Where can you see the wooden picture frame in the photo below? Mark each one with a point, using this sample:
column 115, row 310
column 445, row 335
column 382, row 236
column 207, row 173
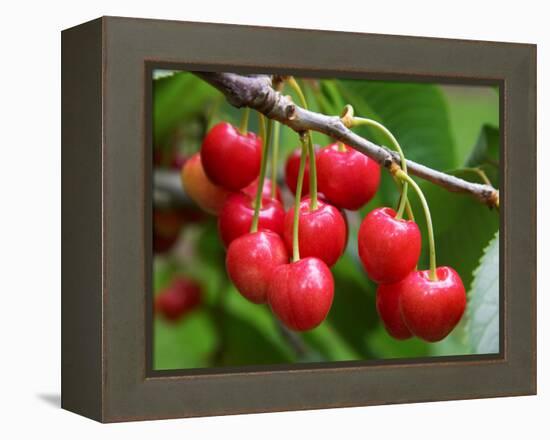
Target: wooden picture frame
column 106, row 219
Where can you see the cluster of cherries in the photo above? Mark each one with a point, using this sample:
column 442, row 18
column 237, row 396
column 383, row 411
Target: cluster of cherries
column 427, row 304
column 284, row 258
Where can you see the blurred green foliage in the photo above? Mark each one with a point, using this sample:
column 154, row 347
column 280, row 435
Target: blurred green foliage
column 449, row 128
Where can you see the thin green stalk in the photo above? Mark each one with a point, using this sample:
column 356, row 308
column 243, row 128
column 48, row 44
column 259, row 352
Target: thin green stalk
column 243, row 127
column 310, row 149
column 266, row 138
column 408, row 207
column 296, row 87
column 299, row 185
column 275, row 158
column 312, row 174
column 406, row 178
column 379, row 126
column 480, row 173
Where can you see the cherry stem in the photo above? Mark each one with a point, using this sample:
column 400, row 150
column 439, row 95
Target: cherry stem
column 310, row 149
column 400, row 174
column 312, row 174
column 266, row 140
column 274, row 158
column 296, row 87
column 341, row 147
column 299, row 185
column 482, row 175
column 370, row 122
column 243, row 127
column 408, row 207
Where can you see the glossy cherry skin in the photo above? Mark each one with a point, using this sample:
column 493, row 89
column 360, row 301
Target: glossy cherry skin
column 321, row 196
column 348, row 178
column 322, row 233
column 200, row 189
column 251, row 189
column 389, row 248
column 292, row 168
column 432, row 309
column 236, row 217
column 250, row 261
column 300, row 294
column 179, row 298
column 231, row 159
column 387, row 305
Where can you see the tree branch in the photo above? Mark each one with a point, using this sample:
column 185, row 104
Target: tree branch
column 256, row 92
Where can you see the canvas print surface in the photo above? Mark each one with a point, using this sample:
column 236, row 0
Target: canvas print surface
column 276, row 246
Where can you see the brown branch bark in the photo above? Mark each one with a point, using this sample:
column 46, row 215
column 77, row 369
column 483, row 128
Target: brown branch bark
column 257, row 92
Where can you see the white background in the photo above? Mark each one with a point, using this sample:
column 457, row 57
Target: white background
column 30, row 219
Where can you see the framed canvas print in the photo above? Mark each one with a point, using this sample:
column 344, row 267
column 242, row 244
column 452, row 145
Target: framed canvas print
column 261, row 219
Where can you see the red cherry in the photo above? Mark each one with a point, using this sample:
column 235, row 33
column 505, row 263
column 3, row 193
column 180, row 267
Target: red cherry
column 237, row 212
column 389, row 248
column 250, row 261
column 301, row 293
column 432, row 309
column 322, row 233
column 251, row 190
column 387, row 305
column 179, row 298
column 199, row 188
column 321, row 196
column 231, row 159
column 348, row 178
column 291, row 172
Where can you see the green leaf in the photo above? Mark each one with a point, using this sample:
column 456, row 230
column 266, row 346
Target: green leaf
column 470, row 108
column 187, row 343
column 353, row 313
column 485, row 153
column 415, row 113
column 483, row 302
column 486, row 148
column 177, row 98
column 258, row 324
column 386, row 347
column 245, row 344
column 329, row 343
